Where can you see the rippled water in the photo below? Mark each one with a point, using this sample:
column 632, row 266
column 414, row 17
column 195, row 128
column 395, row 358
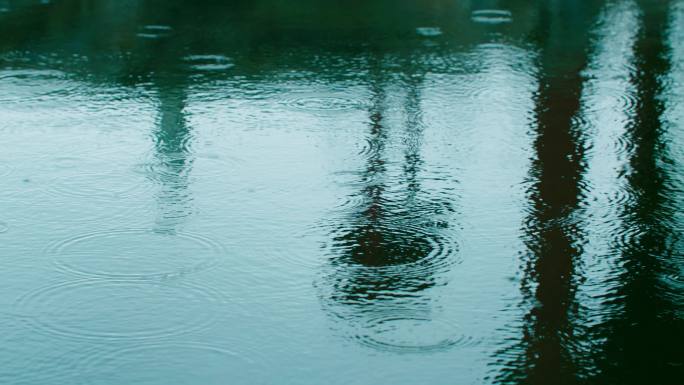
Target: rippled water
column 379, row 192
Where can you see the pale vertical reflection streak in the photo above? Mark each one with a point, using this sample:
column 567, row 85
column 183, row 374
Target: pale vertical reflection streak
column 173, row 158
column 673, row 94
column 607, row 109
column 487, row 151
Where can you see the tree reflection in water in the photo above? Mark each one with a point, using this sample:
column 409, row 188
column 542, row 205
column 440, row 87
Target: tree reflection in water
column 643, row 335
column 389, row 249
column 552, row 233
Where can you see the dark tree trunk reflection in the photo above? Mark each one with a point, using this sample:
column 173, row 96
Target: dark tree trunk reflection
column 645, row 333
column 552, row 233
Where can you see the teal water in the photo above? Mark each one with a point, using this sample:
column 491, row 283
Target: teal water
column 342, row 192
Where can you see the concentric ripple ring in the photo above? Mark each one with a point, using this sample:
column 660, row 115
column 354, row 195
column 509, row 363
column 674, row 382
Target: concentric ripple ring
column 119, row 310
column 136, row 254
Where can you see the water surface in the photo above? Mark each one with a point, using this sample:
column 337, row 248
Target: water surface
column 335, row 192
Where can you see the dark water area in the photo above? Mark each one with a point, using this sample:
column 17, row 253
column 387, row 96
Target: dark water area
column 342, row 192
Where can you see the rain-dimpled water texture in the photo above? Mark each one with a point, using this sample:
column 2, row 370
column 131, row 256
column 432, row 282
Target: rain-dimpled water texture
column 335, row 192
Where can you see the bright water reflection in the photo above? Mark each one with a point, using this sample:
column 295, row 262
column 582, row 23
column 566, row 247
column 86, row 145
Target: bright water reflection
column 262, row 192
